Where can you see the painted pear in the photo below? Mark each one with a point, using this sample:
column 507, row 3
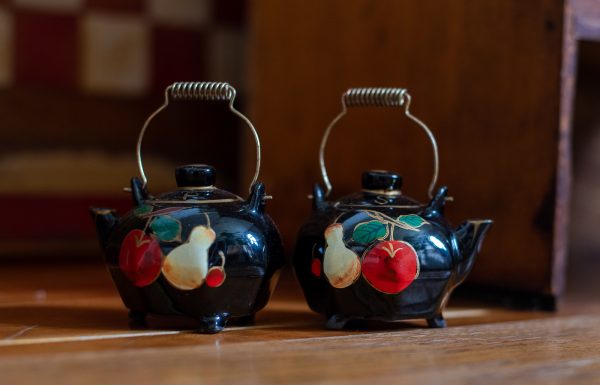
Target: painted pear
column 186, row 265
column 340, row 264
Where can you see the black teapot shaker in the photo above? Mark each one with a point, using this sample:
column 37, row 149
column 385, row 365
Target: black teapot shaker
column 198, row 251
column 378, row 254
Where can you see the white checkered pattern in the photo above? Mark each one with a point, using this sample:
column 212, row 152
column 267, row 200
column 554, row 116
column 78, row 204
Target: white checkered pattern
column 116, row 54
column 183, row 13
column 116, row 47
column 227, row 46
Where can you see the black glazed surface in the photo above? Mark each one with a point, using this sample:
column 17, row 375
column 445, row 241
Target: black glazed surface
column 374, row 286
column 151, row 251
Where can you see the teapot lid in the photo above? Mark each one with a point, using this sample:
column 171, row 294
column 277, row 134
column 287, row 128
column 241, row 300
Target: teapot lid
column 196, row 185
column 380, row 189
column 381, row 180
column 195, row 176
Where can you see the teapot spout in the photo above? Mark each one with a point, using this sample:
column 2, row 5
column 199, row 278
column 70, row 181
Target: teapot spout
column 105, row 220
column 470, row 235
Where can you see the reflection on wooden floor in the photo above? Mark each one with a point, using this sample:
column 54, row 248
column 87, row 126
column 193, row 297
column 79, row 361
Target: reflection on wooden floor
column 69, row 324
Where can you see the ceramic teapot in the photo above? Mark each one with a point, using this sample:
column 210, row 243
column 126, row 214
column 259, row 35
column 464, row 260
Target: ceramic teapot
column 199, row 251
column 378, row 254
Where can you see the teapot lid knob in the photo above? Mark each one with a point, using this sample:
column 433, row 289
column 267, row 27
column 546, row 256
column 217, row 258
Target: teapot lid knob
column 381, row 180
column 195, row 175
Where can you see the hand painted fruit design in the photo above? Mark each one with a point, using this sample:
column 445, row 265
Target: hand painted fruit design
column 216, row 274
column 315, row 267
column 140, row 258
column 390, row 266
column 186, row 266
column 340, row 264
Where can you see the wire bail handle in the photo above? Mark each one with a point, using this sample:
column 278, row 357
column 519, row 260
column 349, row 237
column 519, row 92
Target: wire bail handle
column 202, row 91
column 377, row 97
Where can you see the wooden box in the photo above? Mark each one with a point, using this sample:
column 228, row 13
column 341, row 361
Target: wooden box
column 484, row 75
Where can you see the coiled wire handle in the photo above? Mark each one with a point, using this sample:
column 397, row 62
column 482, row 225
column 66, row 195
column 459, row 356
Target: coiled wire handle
column 212, row 91
column 377, row 97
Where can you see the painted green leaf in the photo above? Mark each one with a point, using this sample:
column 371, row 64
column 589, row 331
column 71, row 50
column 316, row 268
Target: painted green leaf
column 143, row 210
column 369, row 231
column 411, row 220
column 166, row 228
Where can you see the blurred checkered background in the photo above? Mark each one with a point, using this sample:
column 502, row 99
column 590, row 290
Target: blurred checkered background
column 128, row 47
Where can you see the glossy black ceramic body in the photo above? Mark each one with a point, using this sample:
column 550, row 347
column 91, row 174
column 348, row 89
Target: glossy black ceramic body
column 197, row 252
column 428, row 257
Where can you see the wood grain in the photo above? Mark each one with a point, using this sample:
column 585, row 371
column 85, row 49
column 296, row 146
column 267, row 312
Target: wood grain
column 553, row 349
column 564, row 163
column 76, row 332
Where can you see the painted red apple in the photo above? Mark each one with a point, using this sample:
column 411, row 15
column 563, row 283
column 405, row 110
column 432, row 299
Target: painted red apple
column 390, row 266
column 140, row 258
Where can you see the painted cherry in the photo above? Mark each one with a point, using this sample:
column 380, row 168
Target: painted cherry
column 216, row 274
column 315, row 267
column 390, row 266
column 140, row 258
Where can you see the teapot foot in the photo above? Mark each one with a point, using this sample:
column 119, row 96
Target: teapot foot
column 137, row 319
column 213, row 324
column 336, row 322
column 436, row 322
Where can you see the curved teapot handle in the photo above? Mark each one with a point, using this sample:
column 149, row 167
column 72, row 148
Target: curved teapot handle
column 212, row 91
column 377, row 97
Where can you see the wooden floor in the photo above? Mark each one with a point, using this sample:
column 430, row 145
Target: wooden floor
column 67, row 326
